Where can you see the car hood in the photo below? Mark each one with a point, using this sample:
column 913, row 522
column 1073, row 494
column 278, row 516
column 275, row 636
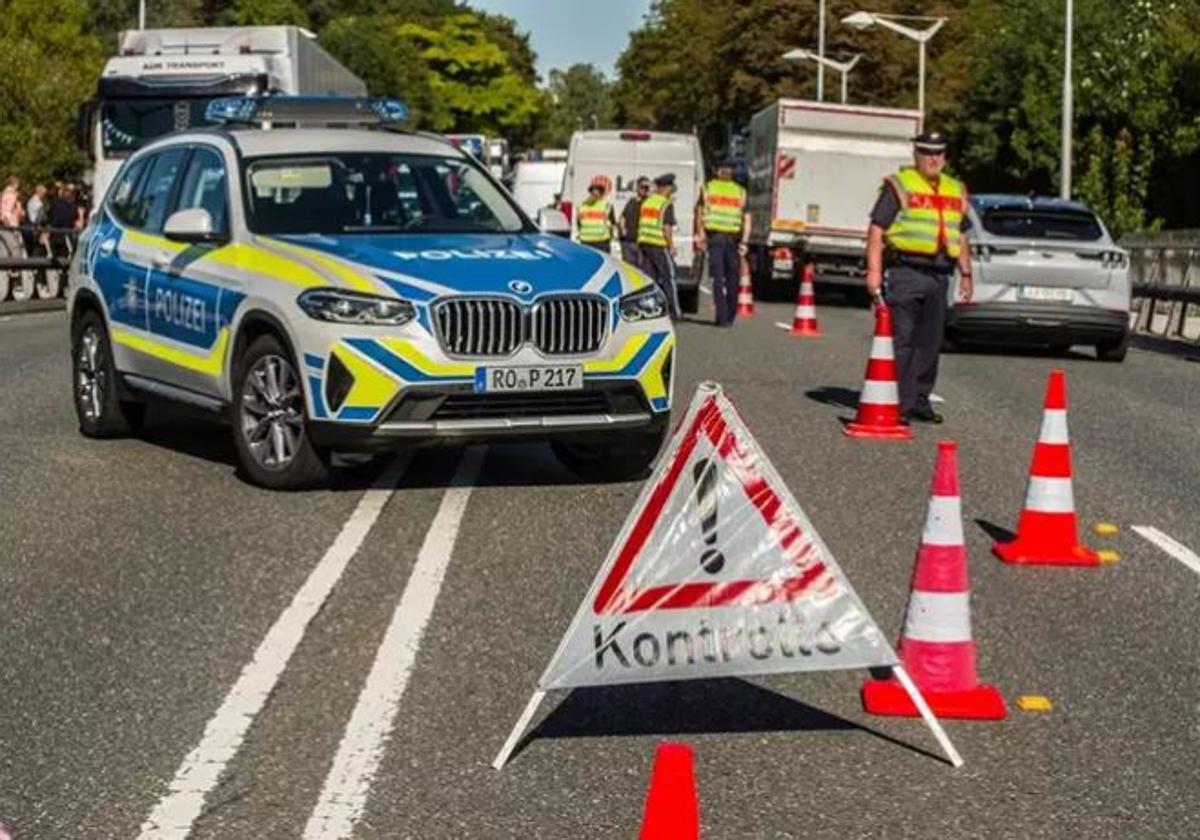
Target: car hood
column 422, row 267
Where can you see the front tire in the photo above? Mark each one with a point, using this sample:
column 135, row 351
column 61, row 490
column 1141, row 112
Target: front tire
column 618, row 456
column 1113, row 351
column 101, row 412
column 270, row 430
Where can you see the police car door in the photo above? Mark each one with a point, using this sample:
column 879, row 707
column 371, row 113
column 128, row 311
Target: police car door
column 188, row 302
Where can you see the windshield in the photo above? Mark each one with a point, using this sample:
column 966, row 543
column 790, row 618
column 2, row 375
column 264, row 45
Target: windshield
column 376, row 193
column 127, row 125
column 1042, row 224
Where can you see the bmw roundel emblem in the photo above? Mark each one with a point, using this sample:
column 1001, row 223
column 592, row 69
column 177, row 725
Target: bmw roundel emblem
column 521, row 287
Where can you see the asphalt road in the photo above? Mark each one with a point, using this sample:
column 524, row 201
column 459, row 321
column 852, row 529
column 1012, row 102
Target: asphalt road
column 141, row 576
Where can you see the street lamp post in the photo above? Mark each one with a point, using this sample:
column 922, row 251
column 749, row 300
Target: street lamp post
column 821, row 53
column 141, row 14
column 844, row 67
column 1067, row 106
column 865, row 20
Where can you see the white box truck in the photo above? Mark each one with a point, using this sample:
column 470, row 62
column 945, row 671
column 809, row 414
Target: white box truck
column 815, row 171
column 161, row 80
column 623, row 157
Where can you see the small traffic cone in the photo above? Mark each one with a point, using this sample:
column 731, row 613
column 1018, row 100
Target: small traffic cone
column 804, row 322
column 672, row 811
column 879, row 403
column 936, row 646
column 745, row 292
column 1048, row 532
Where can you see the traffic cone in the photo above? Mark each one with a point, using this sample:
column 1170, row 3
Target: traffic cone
column 1048, row 532
column 745, row 292
column 936, row 646
column 672, row 811
column 879, row 404
column 804, row 322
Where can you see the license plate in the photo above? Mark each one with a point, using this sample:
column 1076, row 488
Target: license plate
column 1047, row 293
column 491, row 380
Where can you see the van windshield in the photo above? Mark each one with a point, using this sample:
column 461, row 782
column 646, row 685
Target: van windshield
column 368, row 193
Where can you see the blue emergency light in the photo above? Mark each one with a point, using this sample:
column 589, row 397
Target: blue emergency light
column 325, row 111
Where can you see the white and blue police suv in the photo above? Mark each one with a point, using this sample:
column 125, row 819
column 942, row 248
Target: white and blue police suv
column 333, row 285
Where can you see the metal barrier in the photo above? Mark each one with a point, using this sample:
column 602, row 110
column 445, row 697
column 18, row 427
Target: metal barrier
column 1165, row 270
column 42, row 275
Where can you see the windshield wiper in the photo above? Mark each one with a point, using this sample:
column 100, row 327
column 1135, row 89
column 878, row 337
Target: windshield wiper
column 372, row 228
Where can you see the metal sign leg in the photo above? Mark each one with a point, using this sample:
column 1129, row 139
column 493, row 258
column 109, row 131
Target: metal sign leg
column 927, row 715
column 519, row 729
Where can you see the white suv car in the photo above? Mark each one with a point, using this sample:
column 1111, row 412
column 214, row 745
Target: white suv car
column 353, row 288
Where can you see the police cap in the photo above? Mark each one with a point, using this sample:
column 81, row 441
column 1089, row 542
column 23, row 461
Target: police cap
column 930, row 142
column 667, row 180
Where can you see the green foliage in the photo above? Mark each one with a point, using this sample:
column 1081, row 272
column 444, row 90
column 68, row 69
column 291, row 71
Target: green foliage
column 264, row 13
column 579, row 98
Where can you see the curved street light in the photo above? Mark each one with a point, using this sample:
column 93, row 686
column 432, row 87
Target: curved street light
column 865, row 20
column 844, row 67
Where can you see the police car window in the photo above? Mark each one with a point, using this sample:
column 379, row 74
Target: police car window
column 122, row 197
column 375, row 193
column 204, row 187
column 150, row 208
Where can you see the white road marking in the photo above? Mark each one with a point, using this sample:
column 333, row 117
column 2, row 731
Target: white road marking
column 176, row 813
column 344, row 795
column 1171, row 546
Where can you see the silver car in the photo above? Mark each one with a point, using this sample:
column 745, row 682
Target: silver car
column 1046, row 272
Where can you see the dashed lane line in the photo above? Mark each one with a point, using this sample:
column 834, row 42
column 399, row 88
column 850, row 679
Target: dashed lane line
column 1170, row 545
column 344, row 795
column 176, row 813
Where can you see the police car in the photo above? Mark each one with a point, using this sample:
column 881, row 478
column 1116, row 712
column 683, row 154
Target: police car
column 332, row 284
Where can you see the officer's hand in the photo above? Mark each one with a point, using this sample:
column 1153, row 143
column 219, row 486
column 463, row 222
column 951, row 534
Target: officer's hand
column 966, row 288
column 701, row 242
column 874, row 284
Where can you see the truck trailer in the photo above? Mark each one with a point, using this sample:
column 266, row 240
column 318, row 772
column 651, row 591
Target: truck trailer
column 815, row 170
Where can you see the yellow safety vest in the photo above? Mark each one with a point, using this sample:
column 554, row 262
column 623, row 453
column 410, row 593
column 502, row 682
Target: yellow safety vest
column 929, row 219
column 650, row 220
column 593, row 221
column 724, row 203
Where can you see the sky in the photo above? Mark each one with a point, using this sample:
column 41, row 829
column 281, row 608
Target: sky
column 566, row 32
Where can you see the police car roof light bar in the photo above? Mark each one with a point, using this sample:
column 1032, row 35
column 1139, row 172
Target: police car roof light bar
column 323, row 111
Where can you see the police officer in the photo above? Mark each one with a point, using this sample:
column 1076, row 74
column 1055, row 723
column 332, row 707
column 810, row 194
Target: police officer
column 724, row 227
column 919, row 231
column 595, row 218
column 628, row 223
column 656, row 231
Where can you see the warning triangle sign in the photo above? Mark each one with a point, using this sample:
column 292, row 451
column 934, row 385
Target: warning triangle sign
column 717, row 572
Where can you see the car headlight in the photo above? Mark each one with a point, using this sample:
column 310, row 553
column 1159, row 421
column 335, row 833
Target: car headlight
column 342, row 307
column 644, row 305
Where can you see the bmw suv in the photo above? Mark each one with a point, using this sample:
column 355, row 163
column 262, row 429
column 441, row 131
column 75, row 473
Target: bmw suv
column 333, row 285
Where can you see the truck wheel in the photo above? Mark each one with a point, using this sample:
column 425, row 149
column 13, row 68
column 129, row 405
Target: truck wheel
column 101, row 412
column 23, row 284
column 1113, row 351
column 615, row 457
column 269, row 423
column 689, row 300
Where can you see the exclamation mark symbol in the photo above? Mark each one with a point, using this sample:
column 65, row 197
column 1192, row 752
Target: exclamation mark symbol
column 705, row 476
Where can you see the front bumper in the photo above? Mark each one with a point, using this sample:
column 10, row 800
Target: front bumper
column 1036, row 323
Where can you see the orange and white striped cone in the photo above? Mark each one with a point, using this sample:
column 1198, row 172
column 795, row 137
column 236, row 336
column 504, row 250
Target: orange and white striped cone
column 936, row 647
column 672, row 809
column 879, row 403
column 745, row 298
column 1048, row 530
column 804, row 321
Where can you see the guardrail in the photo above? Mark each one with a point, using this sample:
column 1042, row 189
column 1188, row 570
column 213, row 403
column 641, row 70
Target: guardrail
column 1165, row 270
column 34, row 261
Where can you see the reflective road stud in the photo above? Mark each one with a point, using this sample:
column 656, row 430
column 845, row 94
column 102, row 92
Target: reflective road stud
column 1034, row 703
column 1106, row 529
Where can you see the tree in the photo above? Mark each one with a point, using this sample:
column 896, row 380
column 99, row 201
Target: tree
column 580, row 97
column 264, row 13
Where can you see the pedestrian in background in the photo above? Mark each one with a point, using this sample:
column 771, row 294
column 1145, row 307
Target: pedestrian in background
column 595, row 218
column 628, row 223
column 62, row 217
column 917, row 236
column 656, row 239
column 35, row 219
column 723, row 228
column 11, row 216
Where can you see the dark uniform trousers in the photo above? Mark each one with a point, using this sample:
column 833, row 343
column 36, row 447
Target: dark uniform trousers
column 657, row 263
column 631, row 253
column 917, row 298
column 601, row 245
column 723, row 267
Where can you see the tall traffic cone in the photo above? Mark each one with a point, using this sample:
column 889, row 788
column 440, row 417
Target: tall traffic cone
column 745, row 291
column 1048, row 532
column 879, row 403
column 936, row 646
column 804, row 322
column 672, row 811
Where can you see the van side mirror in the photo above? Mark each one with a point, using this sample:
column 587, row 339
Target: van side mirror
column 192, row 225
column 554, row 222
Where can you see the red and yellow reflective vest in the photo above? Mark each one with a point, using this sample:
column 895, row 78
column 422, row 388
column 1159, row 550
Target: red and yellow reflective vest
column 724, row 204
column 929, row 219
column 593, row 221
column 650, row 220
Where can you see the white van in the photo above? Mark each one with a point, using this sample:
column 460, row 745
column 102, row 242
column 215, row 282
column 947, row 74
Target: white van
column 624, row 156
column 535, row 183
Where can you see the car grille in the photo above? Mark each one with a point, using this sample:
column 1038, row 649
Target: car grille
column 495, row 327
column 480, row 406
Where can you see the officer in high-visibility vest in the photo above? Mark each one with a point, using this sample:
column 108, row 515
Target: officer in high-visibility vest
column 656, row 232
column 724, row 228
column 916, row 240
column 595, row 218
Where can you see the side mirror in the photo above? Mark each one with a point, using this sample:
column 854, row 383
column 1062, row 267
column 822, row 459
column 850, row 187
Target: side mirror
column 554, row 222
column 191, row 225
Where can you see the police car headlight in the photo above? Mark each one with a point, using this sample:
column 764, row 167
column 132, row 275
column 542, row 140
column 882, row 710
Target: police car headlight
column 644, row 305
column 343, row 307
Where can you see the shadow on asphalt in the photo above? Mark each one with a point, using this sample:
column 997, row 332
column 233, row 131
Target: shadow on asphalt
column 995, row 532
column 1022, row 350
column 1181, row 349
column 689, row 708
column 834, row 396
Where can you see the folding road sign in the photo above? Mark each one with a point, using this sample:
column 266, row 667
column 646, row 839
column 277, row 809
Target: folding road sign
column 717, row 572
